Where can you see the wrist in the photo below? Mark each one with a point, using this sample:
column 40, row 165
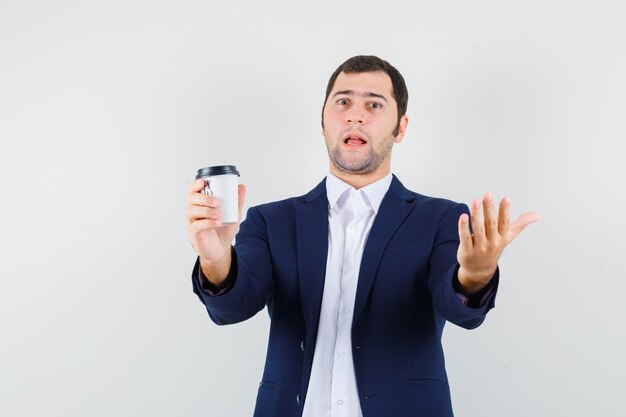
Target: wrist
column 472, row 283
column 217, row 272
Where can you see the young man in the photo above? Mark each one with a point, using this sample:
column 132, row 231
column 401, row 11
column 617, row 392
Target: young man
column 360, row 274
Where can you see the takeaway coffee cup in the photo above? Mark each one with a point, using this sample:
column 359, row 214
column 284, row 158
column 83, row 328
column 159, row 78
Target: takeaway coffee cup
column 222, row 181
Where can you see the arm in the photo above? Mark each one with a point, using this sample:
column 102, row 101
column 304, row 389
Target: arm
column 232, row 283
column 476, row 274
column 250, row 281
column 479, row 251
column 209, row 237
column 443, row 280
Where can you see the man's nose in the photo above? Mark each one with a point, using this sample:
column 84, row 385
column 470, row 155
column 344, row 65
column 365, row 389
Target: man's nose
column 355, row 116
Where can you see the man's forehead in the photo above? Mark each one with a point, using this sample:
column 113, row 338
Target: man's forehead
column 360, row 83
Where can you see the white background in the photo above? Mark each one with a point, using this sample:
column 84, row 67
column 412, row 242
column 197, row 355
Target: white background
column 107, row 108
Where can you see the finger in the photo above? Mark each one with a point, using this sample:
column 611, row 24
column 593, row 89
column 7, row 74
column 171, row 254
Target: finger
column 504, row 217
column 241, row 190
column 205, row 224
column 196, row 186
column 491, row 219
column 465, row 236
column 478, row 222
column 200, row 213
column 203, row 200
column 521, row 222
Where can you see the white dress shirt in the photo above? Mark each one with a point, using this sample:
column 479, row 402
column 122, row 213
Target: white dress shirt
column 332, row 388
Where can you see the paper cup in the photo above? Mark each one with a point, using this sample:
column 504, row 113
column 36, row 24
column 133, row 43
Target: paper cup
column 222, row 181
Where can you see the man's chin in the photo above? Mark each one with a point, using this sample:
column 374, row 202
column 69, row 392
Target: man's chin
column 355, row 169
column 353, row 164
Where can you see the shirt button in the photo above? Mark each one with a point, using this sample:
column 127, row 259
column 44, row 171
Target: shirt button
column 340, row 402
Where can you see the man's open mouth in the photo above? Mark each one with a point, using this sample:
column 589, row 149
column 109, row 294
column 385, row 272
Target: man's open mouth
column 354, row 140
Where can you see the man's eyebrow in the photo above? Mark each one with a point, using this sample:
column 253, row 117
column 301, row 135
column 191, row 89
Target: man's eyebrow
column 352, row 93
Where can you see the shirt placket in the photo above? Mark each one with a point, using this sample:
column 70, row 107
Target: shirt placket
column 355, row 216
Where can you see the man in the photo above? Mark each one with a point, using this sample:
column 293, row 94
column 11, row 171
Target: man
column 360, row 274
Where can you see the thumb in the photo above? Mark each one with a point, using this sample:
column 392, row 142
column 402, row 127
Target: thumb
column 241, row 190
column 521, row 222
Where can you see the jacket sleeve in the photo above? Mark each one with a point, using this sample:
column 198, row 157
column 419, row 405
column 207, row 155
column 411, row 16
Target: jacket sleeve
column 252, row 269
column 443, row 274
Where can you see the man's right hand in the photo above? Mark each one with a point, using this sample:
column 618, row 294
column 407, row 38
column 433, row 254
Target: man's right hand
column 209, row 237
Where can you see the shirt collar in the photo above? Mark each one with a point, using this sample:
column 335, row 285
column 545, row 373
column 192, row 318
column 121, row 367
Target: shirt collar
column 374, row 191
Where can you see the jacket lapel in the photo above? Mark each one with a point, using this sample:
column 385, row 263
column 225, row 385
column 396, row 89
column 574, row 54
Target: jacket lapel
column 395, row 207
column 312, row 252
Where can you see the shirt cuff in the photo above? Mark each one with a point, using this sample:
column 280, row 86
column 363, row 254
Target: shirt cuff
column 478, row 299
column 211, row 289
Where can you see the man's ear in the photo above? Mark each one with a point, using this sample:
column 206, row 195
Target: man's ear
column 404, row 121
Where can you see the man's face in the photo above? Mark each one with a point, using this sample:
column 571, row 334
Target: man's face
column 360, row 116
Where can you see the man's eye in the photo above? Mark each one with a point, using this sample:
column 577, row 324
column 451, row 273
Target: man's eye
column 375, row 105
column 342, row 101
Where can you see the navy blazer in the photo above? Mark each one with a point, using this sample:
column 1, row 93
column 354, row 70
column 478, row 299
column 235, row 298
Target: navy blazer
column 404, row 296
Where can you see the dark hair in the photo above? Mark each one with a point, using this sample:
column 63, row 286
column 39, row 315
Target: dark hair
column 370, row 63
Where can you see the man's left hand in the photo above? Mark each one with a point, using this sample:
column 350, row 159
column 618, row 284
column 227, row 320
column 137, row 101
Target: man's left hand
column 479, row 251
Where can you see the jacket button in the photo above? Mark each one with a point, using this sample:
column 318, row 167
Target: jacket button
column 302, row 345
column 298, row 399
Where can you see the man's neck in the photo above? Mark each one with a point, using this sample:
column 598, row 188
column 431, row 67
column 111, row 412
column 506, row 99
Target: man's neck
column 358, row 181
